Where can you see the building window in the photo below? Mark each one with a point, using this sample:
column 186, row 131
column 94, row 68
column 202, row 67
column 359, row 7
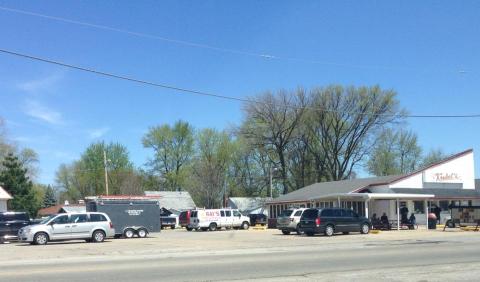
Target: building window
column 443, row 205
column 418, row 206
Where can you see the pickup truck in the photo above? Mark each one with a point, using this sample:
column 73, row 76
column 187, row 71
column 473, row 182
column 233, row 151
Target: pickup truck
column 167, row 219
column 11, row 222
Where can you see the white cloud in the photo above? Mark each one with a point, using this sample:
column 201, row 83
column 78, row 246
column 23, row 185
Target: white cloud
column 47, row 83
column 43, row 113
column 98, row 132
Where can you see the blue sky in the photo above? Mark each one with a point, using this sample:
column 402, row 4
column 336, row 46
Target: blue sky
column 427, row 52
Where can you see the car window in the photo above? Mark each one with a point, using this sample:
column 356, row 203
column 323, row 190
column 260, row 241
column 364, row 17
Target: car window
column 236, row 213
column 350, row 213
column 286, row 213
column 222, row 213
column 193, row 214
column 298, row 213
column 78, row 218
column 327, row 212
column 228, row 213
column 310, row 214
column 337, row 213
column 63, row 219
column 95, row 217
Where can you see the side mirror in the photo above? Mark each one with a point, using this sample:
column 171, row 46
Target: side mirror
column 51, row 223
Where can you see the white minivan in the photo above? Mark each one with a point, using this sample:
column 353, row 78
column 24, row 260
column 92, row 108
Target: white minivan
column 90, row 226
column 213, row 219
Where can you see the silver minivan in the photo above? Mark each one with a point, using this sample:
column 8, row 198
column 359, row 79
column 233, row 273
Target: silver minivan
column 289, row 220
column 88, row 226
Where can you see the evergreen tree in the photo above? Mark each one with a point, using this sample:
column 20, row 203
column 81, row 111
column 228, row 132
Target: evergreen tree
column 14, row 179
column 49, row 197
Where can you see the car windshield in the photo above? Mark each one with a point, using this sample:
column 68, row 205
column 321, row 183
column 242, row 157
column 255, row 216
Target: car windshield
column 286, row 213
column 44, row 221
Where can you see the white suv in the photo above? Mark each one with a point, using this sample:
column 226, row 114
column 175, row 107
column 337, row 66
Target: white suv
column 289, row 220
column 90, row 226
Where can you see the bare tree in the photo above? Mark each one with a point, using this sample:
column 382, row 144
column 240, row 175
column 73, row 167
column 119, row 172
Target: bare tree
column 344, row 122
column 271, row 123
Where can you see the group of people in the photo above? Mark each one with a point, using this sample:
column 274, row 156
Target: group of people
column 384, row 223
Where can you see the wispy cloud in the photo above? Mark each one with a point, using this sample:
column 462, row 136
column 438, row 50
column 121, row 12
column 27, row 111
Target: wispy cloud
column 43, row 113
column 98, row 132
column 38, row 85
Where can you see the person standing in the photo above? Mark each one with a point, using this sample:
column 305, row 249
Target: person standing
column 437, row 210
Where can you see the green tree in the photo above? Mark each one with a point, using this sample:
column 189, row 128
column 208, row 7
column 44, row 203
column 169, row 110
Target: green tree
column 14, row 179
column 433, row 156
column 395, row 153
column 173, row 150
column 49, row 199
column 211, row 167
column 86, row 177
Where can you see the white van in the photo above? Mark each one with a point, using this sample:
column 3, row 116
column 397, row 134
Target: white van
column 213, row 219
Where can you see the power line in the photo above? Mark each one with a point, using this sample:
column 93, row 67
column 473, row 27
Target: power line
column 266, row 56
column 207, row 94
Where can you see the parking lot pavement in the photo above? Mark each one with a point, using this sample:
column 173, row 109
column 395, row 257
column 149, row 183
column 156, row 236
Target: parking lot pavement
column 178, row 255
column 176, row 242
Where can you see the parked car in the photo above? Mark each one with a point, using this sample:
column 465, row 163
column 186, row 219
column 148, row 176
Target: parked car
column 10, row 223
column 167, row 219
column 258, row 218
column 289, row 220
column 184, row 220
column 131, row 217
column 89, row 226
column 333, row 220
column 213, row 219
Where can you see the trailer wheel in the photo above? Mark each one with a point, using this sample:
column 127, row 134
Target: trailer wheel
column 142, row 233
column 189, row 228
column 172, row 227
column 128, row 233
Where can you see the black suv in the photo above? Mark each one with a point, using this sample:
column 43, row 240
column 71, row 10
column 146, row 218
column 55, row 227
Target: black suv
column 332, row 220
column 10, row 223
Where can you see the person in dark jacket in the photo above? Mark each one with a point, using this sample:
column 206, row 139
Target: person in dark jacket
column 385, row 222
column 437, row 210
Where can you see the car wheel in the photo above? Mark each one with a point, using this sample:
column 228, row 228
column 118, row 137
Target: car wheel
column 142, row 233
column 245, row 225
column 299, row 231
column 172, row 227
column 98, row 236
column 309, row 233
column 212, row 227
column 128, row 233
column 286, row 232
column 329, row 230
column 40, row 238
column 189, row 228
column 365, row 229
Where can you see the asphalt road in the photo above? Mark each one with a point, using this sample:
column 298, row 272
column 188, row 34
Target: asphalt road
column 412, row 259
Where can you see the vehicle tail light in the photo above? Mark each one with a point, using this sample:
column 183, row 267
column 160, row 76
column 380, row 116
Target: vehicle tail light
column 317, row 221
column 111, row 225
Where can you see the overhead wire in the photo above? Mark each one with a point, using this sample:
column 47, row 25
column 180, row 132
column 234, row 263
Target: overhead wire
column 209, row 94
column 266, row 56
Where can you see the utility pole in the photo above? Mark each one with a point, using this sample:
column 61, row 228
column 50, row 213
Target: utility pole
column 106, row 172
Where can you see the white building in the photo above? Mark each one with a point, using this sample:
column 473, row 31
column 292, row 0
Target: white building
column 449, row 181
column 4, row 197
